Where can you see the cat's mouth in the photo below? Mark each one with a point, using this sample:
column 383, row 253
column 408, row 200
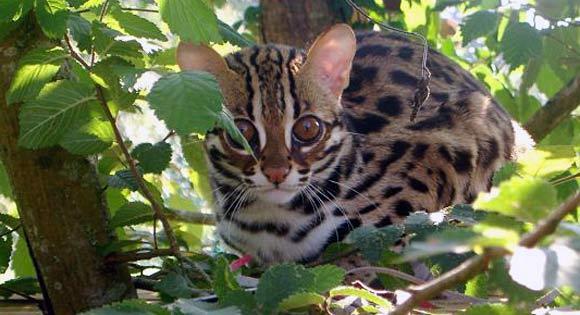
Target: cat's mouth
column 281, row 194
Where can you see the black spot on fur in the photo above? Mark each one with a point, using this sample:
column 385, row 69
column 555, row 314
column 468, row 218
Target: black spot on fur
column 368, row 156
column 403, row 78
column 403, row 208
column 418, row 185
column 303, row 232
column 420, row 150
column 462, row 161
column 445, row 153
column 406, row 53
column 372, row 50
column 386, row 220
column 443, row 119
column 215, row 154
column 390, row 105
column 487, row 152
column 370, row 208
column 355, row 99
column 440, row 97
column 368, row 123
column 390, row 191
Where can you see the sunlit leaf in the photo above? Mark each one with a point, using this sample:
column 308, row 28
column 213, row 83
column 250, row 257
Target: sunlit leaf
column 80, row 30
column 52, row 16
column 520, row 43
column 478, row 24
column 106, row 42
column 35, row 69
column 94, row 137
column 59, row 106
column 361, row 293
column 300, row 300
column 137, row 26
column 192, row 20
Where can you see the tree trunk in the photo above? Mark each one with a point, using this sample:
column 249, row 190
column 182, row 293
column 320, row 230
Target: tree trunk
column 61, row 206
column 296, row 22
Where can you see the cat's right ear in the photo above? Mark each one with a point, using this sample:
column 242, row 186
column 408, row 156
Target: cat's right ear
column 203, row 58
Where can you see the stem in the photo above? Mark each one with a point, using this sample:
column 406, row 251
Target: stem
column 140, row 10
column 475, row 265
column 11, row 230
column 564, row 179
column 138, row 255
column 190, row 217
column 140, row 182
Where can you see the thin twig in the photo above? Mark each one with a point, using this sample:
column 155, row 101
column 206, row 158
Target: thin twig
column 137, row 255
column 140, row 10
column 564, row 179
column 23, row 295
column 11, row 230
column 387, row 271
column 74, row 54
column 190, row 217
column 169, row 135
column 475, row 265
column 101, row 17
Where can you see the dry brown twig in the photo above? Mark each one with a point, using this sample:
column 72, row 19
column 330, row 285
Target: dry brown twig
column 477, row 264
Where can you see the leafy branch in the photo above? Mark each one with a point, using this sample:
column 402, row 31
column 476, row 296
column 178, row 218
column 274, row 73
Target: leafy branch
column 477, row 264
column 157, row 208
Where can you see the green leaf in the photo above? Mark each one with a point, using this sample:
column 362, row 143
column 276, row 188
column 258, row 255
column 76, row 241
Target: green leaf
column 6, row 241
column 514, row 199
column 110, row 73
column 35, row 69
column 105, row 43
column 193, row 20
column 194, row 154
column 500, row 280
column 8, row 9
column 478, row 24
column 25, row 285
column 5, row 187
column 280, row 282
column 123, row 179
column 478, row 286
column 91, row 4
column 224, row 279
column 175, row 285
column 80, row 30
column 232, row 36
column 153, row 158
column 326, row 277
column 91, row 138
column 363, row 294
column 547, row 161
column 504, row 173
column 52, row 16
column 192, row 307
column 226, row 121
column 520, row 43
column 300, row 300
column 21, row 261
column 372, row 241
column 132, row 213
column 241, row 299
column 130, row 307
column 188, row 102
column 59, row 106
column 135, row 25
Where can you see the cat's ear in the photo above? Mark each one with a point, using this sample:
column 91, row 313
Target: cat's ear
column 202, row 58
column 330, row 58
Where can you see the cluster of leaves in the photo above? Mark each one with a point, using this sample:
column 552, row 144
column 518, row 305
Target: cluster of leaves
column 98, row 53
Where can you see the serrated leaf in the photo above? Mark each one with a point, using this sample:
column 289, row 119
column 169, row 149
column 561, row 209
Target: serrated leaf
column 106, row 43
column 226, row 121
column 300, row 300
column 35, row 69
column 153, row 158
column 504, row 173
column 192, row 307
column 224, row 280
column 361, row 293
column 326, row 277
column 373, row 241
column 280, row 282
column 188, row 102
column 123, row 179
column 130, row 307
column 52, row 16
column 478, row 24
column 135, row 25
column 91, row 4
column 24, row 285
column 232, row 36
column 547, row 161
column 80, row 30
column 106, row 74
column 91, row 138
column 131, row 213
column 193, row 20
column 175, row 285
column 514, row 199
column 464, row 214
column 59, row 106
column 241, row 299
column 520, row 43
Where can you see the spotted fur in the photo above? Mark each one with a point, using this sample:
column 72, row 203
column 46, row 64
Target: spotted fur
column 372, row 166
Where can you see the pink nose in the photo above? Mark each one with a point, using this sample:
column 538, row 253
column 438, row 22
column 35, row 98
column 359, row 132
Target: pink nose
column 276, row 175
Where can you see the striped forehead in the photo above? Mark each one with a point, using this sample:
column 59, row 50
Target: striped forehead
column 269, row 73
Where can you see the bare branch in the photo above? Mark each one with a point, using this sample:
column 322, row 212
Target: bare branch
column 190, row 217
column 555, row 111
column 477, row 264
column 137, row 255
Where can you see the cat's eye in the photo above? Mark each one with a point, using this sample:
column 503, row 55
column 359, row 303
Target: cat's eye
column 247, row 129
column 307, row 129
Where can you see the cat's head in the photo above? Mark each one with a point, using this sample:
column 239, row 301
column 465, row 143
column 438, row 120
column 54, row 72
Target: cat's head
column 287, row 105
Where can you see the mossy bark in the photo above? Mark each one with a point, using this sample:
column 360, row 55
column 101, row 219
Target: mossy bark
column 61, row 206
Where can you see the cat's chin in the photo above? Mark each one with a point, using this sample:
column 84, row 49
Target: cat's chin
column 277, row 196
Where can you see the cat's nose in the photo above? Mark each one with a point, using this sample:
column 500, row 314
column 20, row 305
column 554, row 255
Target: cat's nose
column 276, row 175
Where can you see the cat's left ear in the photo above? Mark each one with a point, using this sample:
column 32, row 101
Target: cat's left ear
column 330, row 58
